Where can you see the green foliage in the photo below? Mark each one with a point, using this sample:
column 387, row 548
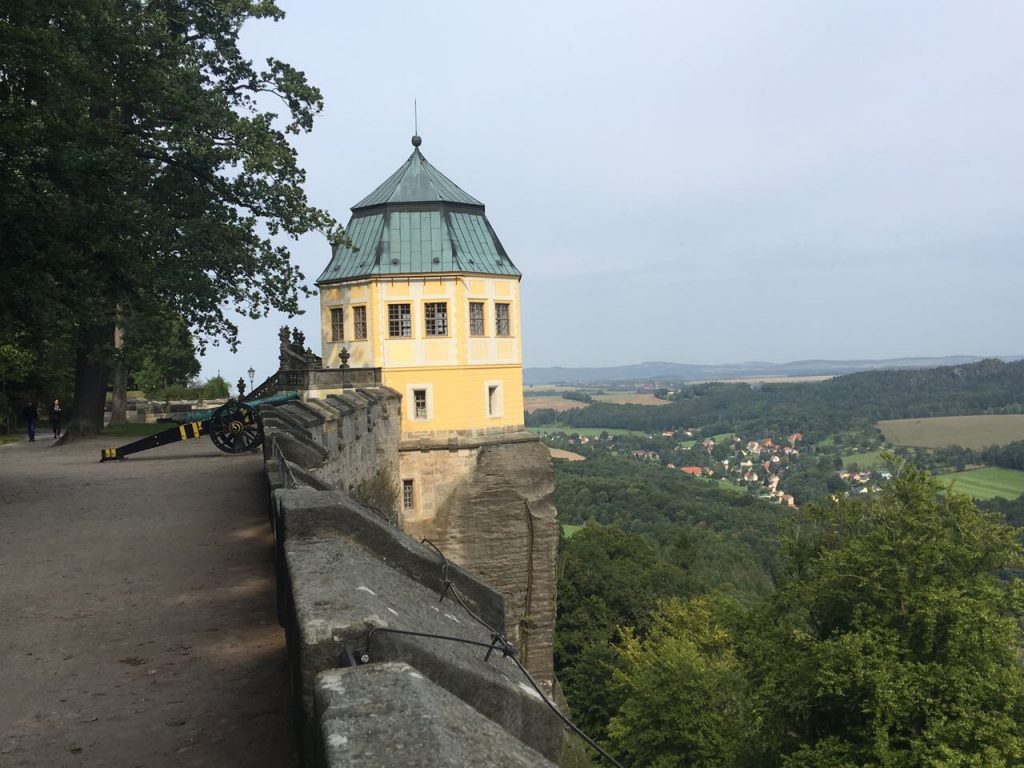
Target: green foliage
column 146, row 162
column 159, row 350
column 215, row 388
column 1010, row 456
column 608, row 579
column 581, row 397
column 727, row 541
column 892, row 640
column 15, row 360
column 684, row 691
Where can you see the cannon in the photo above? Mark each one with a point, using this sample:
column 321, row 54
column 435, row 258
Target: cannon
column 235, row 427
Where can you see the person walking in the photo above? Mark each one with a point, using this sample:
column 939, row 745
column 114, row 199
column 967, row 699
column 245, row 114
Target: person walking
column 55, row 415
column 29, row 414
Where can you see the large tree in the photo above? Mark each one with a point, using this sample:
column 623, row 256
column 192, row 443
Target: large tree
column 144, row 162
column 895, row 639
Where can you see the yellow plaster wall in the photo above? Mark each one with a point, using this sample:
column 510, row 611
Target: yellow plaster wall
column 457, row 367
column 459, row 397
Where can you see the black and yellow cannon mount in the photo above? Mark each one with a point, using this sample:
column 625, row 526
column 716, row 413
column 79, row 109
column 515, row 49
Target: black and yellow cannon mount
column 235, row 427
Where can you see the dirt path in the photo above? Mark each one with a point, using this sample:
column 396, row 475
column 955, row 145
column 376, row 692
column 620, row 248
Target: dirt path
column 136, row 610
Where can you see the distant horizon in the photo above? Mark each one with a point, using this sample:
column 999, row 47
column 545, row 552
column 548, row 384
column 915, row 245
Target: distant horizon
column 1004, row 358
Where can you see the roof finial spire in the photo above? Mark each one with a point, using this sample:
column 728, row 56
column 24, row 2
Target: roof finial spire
column 416, row 140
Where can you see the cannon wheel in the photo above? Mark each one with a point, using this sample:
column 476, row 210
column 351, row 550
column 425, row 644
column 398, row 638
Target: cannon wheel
column 236, row 427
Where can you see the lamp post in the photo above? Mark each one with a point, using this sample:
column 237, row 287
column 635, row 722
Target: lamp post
column 251, row 373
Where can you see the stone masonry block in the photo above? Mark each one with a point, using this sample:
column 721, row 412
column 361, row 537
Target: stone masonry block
column 389, row 715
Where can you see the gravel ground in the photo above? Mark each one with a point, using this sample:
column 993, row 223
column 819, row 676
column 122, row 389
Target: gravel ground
column 137, row 610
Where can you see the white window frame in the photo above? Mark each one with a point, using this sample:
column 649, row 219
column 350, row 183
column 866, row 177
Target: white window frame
column 408, row 318
column 508, row 319
column 408, row 494
column 340, row 327
column 439, row 319
column 483, row 318
column 410, row 397
column 494, row 405
column 355, row 325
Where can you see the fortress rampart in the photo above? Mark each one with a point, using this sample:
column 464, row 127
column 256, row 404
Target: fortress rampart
column 389, row 655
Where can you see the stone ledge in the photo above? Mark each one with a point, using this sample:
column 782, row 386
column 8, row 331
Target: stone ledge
column 456, row 442
column 301, row 451
column 303, row 513
column 340, row 591
column 391, row 715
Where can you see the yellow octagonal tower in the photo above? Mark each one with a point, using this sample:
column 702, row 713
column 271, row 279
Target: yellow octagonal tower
column 427, row 294
column 426, row 300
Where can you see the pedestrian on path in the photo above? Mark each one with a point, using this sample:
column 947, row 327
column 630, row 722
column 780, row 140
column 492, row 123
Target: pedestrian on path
column 55, row 415
column 29, row 413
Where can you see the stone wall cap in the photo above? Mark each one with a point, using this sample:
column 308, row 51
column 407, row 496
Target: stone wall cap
column 449, row 442
column 390, row 715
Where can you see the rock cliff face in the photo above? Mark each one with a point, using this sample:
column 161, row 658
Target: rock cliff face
column 499, row 521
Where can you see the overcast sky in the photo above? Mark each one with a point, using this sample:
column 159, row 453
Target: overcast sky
column 689, row 181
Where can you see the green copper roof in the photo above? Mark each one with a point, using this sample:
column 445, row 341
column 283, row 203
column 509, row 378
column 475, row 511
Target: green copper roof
column 417, row 181
column 418, row 222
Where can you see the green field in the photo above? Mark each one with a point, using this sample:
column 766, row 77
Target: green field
column 975, row 432
column 869, row 460
column 570, row 530
column 725, row 485
column 987, row 482
column 724, row 437
column 687, row 444
column 588, row 431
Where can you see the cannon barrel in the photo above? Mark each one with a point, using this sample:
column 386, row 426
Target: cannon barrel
column 278, row 399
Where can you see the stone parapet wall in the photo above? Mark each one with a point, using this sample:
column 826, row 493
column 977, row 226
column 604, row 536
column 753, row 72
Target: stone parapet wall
column 388, row 663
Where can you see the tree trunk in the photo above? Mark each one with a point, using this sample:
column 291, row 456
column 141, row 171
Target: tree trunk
column 91, row 375
column 119, row 383
column 119, row 393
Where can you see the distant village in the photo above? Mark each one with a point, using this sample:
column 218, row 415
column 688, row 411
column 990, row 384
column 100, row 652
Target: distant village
column 757, row 465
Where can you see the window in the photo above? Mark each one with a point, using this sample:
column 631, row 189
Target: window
column 359, row 322
column 476, row 318
column 338, row 324
column 436, row 315
column 407, row 495
column 399, row 320
column 502, row 325
column 494, row 405
column 419, row 404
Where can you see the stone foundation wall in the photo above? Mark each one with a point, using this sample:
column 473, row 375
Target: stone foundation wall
column 491, row 511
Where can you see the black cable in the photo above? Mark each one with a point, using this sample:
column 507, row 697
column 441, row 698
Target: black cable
column 490, row 647
column 389, row 630
column 450, row 587
column 568, row 723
